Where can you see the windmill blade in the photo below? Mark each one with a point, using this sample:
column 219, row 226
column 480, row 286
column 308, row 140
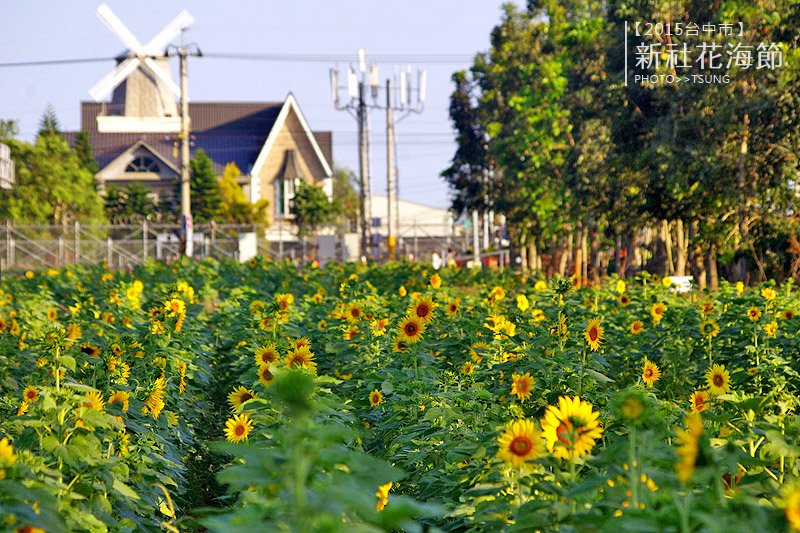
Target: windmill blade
column 119, row 29
column 158, row 43
column 151, row 66
column 114, row 78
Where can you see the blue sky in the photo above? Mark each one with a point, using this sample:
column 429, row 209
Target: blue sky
column 412, row 29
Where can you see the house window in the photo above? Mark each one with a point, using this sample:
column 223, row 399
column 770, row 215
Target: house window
column 284, row 192
column 142, row 163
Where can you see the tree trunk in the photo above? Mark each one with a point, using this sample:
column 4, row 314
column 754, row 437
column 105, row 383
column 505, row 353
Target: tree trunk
column 666, row 238
column 697, row 260
column 584, row 273
column 744, row 202
column 713, row 274
column 680, row 245
column 577, row 263
column 523, row 255
column 618, row 255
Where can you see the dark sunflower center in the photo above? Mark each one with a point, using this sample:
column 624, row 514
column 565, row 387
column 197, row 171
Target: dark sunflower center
column 411, row 329
column 239, row 430
column 593, row 334
column 648, row 373
column 523, row 386
column 423, row 310
column 246, row 396
column 521, row 445
column 717, row 380
column 266, row 374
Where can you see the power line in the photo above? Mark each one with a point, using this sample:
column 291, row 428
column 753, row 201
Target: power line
column 48, row 62
column 285, row 58
column 344, row 58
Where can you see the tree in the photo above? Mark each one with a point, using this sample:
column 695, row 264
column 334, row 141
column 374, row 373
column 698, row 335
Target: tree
column 345, row 199
column 83, row 147
column 49, row 124
column 468, row 174
column 311, row 209
column 8, row 129
column 236, row 208
column 51, row 187
column 204, row 187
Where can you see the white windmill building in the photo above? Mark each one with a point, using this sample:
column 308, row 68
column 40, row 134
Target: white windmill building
column 143, row 91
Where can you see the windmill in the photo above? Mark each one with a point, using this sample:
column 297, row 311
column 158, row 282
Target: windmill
column 144, row 93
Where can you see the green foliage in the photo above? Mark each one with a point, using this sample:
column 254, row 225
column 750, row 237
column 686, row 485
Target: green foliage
column 83, row 147
column 205, row 190
column 345, row 199
column 236, row 209
column 311, row 208
column 49, row 123
column 8, row 129
column 574, row 149
column 133, row 204
column 52, row 185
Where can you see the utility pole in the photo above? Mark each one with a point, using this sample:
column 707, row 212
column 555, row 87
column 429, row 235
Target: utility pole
column 390, row 192
column 358, row 106
column 186, row 201
column 187, row 227
column 363, row 172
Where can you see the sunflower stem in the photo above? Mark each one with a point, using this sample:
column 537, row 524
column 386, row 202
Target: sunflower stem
column 633, row 477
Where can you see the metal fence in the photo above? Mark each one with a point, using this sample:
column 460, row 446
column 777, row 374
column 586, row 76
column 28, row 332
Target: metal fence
column 123, row 246
column 120, row 246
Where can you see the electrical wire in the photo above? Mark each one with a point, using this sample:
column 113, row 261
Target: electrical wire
column 283, row 58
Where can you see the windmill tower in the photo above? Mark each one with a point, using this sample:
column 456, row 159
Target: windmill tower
column 142, row 90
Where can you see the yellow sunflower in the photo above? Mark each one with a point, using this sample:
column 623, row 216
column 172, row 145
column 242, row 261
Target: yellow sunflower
column 688, row 441
column 540, row 285
column 400, row 344
column 422, row 309
column 411, row 329
column 753, row 314
column 468, row 368
column 739, row 287
column 699, row 401
column 709, row 329
column 122, row 397
column 52, row 314
column 383, row 496
column 301, row 357
column 520, row 442
column 238, row 428
column 718, row 380
column 790, row 493
column 657, row 311
column 452, row 307
column 375, row 398
column 7, row 454
column 353, row 312
column 706, row 308
column 238, row 396
column 266, row 355
column 771, row 329
column 637, row 326
column 538, row 316
column 650, row 373
column 30, row 394
column 572, row 428
column 265, row 375
column 594, row 334
column 94, row 400
column 620, row 286
column 522, row 385
column 623, row 300
column 436, row 281
column 768, row 293
column 284, row 301
column 788, row 314
column 522, row 302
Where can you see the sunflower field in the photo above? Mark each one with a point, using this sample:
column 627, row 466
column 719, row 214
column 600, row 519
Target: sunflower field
column 260, row 397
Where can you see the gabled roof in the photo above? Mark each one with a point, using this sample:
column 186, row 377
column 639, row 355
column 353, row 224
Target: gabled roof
column 290, row 105
column 126, row 155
